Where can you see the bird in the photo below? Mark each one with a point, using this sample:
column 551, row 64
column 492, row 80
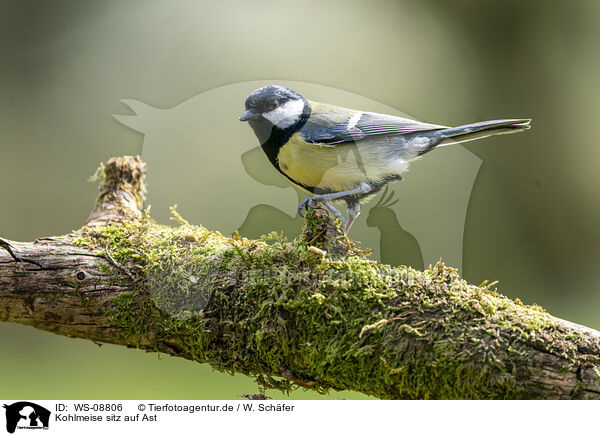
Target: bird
column 340, row 155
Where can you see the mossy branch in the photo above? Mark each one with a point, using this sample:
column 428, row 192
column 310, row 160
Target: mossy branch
column 314, row 312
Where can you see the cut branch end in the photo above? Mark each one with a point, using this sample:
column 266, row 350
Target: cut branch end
column 121, row 192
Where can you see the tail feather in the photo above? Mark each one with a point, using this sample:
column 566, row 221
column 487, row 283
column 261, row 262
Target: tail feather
column 470, row 132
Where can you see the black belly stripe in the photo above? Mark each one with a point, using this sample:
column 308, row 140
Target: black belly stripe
column 280, row 137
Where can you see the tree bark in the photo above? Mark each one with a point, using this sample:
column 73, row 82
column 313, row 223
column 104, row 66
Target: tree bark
column 313, row 312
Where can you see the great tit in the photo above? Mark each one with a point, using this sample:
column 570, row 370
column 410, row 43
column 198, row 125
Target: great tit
column 340, row 154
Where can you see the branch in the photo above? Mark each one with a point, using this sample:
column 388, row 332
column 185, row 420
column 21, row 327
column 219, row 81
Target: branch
column 313, row 312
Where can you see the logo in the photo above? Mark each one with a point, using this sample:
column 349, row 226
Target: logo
column 219, row 157
column 413, row 223
column 26, row 415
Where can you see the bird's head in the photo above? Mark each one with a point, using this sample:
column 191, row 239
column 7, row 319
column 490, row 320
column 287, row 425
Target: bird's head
column 276, row 105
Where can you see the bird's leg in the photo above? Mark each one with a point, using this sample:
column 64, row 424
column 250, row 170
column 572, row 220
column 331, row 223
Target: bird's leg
column 315, row 204
column 353, row 211
column 336, row 212
column 325, row 198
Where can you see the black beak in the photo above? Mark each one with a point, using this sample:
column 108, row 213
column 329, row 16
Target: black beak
column 249, row 115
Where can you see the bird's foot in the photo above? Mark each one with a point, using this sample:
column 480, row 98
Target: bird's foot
column 314, row 202
column 306, row 203
column 336, row 212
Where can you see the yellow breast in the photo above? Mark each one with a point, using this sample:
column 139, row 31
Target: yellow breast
column 333, row 169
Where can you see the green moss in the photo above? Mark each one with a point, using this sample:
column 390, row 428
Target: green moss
column 275, row 310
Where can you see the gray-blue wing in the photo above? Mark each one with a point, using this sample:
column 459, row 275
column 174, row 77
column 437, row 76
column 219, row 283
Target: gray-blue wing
column 325, row 129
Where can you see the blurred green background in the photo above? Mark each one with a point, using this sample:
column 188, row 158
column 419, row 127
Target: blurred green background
column 532, row 221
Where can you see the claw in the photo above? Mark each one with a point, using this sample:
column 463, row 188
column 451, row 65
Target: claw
column 311, row 202
column 303, row 205
column 336, row 212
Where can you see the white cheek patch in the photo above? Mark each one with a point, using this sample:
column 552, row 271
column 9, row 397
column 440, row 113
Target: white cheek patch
column 286, row 114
